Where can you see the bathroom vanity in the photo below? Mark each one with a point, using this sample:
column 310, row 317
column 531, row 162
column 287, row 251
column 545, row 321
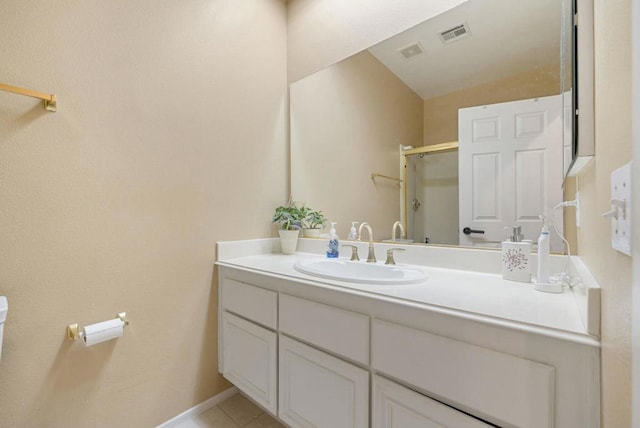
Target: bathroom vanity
column 462, row 349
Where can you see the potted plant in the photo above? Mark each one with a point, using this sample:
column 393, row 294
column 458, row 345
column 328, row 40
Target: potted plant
column 289, row 219
column 313, row 223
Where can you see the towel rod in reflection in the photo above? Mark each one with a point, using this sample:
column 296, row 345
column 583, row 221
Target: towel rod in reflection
column 386, row 177
column 50, row 101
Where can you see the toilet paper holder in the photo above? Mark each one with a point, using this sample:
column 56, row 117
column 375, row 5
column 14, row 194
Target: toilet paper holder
column 73, row 331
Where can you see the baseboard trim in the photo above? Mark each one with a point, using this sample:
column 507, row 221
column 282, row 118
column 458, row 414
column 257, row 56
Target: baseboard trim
column 199, row 408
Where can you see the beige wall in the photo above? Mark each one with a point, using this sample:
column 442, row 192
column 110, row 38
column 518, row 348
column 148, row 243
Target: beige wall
column 441, row 113
column 170, row 135
column 613, row 149
column 347, row 121
column 314, row 26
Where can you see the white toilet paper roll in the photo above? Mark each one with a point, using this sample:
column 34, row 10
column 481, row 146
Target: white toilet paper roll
column 102, row 331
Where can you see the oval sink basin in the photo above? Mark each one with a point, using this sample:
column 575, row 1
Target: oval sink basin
column 361, row 272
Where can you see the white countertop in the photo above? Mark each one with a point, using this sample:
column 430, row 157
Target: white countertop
column 465, row 292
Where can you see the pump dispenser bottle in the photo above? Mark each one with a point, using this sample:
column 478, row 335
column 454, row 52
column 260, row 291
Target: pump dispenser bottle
column 332, row 248
column 353, row 233
column 542, row 282
column 516, row 257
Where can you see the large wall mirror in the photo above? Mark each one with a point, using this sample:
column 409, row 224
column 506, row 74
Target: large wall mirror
column 461, row 122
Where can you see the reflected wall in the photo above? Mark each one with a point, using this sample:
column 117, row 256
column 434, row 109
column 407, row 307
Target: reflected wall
column 348, row 122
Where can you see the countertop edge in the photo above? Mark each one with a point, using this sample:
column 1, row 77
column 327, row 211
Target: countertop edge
column 583, row 339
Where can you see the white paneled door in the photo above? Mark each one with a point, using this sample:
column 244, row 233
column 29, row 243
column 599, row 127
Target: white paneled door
column 510, row 169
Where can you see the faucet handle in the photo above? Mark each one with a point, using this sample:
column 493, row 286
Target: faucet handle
column 390, row 260
column 354, row 252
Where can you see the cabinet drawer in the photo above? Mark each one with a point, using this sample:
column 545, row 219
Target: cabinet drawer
column 250, row 359
column 501, row 388
column 344, row 332
column 254, row 303
column 395, row 406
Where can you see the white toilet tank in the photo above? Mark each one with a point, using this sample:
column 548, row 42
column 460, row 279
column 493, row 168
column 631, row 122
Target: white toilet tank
column 4, row 307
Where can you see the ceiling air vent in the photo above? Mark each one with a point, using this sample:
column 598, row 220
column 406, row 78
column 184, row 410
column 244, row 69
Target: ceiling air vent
column 456, row 33
column 412, row 50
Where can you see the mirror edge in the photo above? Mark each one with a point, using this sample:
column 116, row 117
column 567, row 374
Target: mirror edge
column 583, row 75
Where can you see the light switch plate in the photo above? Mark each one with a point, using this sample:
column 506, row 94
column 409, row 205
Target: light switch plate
column 621, row 231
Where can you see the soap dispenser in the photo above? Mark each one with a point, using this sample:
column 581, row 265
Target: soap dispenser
column 516, row 257
column 353, row 233
column 332, row 248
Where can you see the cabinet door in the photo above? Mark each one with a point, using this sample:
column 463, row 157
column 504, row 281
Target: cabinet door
column 395, row 406
column 319, row 390
column 249, row 359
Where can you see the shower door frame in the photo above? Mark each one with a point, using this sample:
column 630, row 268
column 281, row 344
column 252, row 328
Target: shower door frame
column 431, row 149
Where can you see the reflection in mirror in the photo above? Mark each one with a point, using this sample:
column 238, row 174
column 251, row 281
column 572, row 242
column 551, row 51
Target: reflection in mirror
column 359, row 117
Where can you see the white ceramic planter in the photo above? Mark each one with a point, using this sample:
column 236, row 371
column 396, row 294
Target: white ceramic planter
column 312, row 233
column 288, row 240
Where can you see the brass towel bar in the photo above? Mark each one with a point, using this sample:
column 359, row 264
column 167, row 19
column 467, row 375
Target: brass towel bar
column 386, row 177
column 50, row 101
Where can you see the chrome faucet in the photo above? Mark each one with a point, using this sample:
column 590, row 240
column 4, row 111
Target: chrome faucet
column 393, row 231
column 371, row 257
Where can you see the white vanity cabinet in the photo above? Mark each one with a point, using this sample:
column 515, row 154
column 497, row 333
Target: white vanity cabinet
column 345, row 359
column 247, row 346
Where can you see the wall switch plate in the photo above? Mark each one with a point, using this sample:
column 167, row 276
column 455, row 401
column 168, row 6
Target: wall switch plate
column 620, row 214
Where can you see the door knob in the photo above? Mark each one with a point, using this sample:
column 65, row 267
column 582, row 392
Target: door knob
column 468, row 231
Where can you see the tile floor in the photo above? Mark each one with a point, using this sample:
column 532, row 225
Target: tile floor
column 235, row 412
